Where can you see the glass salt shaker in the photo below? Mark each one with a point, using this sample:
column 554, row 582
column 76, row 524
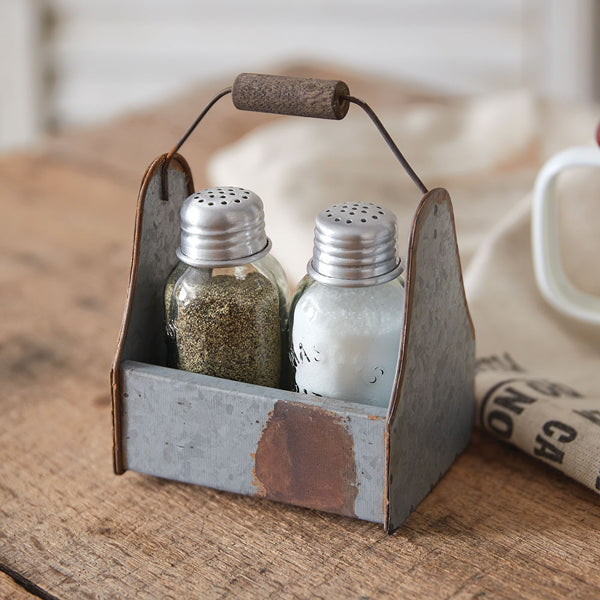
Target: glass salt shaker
column 227, row 299
column 347, row 313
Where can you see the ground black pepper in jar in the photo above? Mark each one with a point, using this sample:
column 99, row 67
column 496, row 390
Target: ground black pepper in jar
column 227, row 299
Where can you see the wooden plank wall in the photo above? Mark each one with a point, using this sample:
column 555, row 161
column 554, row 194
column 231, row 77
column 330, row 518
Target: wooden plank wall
column 69, row 62
column 21, row 72
column 111, row 56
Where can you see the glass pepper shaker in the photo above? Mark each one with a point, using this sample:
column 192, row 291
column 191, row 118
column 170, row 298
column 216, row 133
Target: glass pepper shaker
column 347, row 313
column 227, row 299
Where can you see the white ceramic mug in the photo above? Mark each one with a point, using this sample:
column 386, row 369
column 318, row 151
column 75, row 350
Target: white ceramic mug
column 551, row 278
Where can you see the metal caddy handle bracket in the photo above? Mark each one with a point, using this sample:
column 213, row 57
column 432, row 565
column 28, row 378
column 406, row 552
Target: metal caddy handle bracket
column 351, row 459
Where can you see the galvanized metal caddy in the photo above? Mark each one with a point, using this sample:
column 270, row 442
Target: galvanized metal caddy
column 341, row 457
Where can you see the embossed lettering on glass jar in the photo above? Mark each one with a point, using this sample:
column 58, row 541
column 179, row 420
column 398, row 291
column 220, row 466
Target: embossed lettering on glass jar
column 227, row 299
column 347, row 313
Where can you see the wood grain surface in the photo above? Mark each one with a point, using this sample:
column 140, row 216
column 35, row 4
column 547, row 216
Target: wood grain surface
column 10, row 589
column 282, row 95
column 498, row 525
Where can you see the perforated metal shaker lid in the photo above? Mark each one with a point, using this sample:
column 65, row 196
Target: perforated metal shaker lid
column 355, row 245
column 222, row 226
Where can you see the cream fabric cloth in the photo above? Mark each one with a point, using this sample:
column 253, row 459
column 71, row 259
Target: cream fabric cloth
column 538, row 373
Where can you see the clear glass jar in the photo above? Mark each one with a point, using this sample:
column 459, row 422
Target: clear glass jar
column 227, row 299
column 228, row 322
column 347, row 314
column 344, row 341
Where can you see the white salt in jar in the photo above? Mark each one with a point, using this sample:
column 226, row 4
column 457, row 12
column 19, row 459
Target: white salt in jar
column 347, row 313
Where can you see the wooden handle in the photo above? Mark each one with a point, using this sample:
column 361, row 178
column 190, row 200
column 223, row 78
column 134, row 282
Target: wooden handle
column 298, row 96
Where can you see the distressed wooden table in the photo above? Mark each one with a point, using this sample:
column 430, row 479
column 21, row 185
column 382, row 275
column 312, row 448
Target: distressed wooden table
column 498, row 525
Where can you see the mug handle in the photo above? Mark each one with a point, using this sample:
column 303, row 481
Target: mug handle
column 551, row 278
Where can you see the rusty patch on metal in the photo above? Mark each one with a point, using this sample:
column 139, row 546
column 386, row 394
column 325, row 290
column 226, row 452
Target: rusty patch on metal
column 260, row 490
column 305, row 456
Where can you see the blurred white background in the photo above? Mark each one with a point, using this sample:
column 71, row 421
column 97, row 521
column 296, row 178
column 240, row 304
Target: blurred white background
column 73, row 62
